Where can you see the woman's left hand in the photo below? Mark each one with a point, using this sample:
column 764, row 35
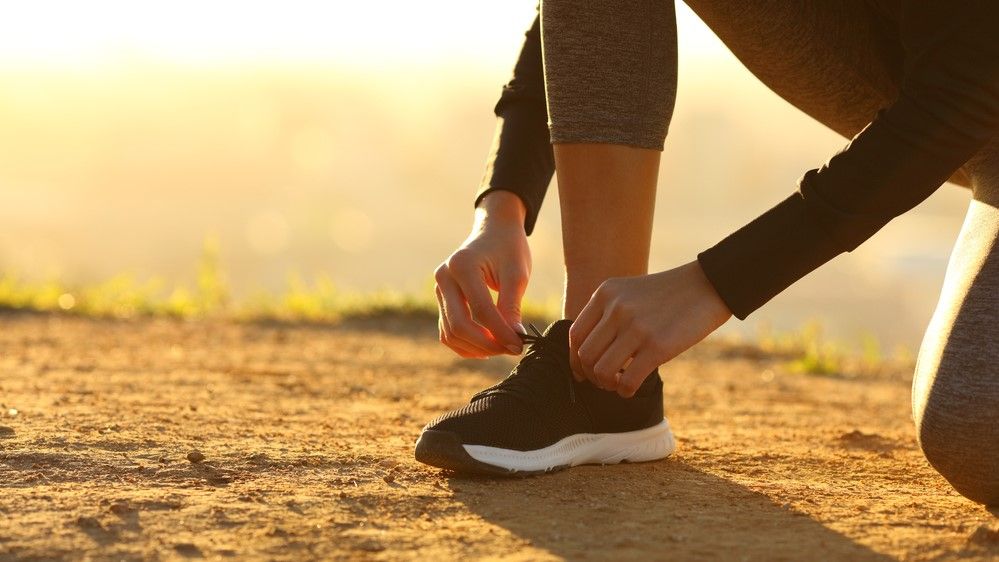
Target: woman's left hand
column 648, row 319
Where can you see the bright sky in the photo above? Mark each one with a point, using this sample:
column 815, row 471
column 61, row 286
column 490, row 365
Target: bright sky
column 76, row 33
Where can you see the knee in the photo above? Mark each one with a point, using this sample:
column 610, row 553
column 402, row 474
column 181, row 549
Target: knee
column 960, row 441
column 955, row 392
column 983, row 171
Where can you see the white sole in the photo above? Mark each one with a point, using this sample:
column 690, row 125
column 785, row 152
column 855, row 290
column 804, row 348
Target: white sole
column 647, row 444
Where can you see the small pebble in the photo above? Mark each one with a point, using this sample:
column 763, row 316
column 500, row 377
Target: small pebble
column 277, row 532
column 195, row 456
column 188, row 549
column 371, row 546
column 120, row 507
column 258, row 458
column 6, row 431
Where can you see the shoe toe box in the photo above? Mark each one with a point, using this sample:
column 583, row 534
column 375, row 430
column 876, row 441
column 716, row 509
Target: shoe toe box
column 497, row 422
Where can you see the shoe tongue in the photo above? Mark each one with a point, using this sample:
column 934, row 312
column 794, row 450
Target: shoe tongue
column 559, row 331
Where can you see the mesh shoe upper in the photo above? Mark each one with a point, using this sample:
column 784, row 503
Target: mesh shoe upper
column 540, row 403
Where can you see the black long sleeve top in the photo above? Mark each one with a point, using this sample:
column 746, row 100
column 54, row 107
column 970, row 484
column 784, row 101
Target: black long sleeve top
column 947, row 109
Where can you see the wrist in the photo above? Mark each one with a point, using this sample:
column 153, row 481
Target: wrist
column 500, row 208
column 709, row 290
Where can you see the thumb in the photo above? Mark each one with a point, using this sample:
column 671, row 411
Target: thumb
column 511, row 293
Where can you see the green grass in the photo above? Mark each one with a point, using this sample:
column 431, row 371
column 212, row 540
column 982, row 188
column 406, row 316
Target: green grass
column 318, row 300
column 123, row 296
column 808, row 351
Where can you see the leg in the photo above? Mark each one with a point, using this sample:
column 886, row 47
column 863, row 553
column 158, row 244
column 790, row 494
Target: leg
column 605, row 232
column 610, row 99
column 839, row 62
column 955, row 392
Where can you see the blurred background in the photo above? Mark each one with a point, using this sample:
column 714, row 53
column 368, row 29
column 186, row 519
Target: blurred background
column 347, row 139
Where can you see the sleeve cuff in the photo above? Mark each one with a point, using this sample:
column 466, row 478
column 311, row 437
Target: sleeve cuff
column 521, row 159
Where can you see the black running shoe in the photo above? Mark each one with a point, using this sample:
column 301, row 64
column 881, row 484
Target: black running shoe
column 540, row 419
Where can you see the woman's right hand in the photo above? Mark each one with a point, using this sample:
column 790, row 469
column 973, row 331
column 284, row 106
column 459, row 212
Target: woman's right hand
column 494, row 256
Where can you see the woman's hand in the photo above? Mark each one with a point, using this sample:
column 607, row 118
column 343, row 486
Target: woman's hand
column 494, row 256
column 648, row 319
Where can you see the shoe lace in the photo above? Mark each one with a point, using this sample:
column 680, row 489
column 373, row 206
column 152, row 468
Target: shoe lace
column 541, row 357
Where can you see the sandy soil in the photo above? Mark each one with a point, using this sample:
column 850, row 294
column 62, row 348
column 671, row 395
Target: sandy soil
column 307, row 436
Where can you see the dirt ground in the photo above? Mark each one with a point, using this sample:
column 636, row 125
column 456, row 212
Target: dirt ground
column 307, row 436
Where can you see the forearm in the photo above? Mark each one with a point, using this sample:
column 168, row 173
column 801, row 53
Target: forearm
column 520, row 159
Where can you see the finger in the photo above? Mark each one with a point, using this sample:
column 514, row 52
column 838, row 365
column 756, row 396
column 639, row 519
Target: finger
column 484, row 312
column 578, row 332
column 459, row 321
column 446, row 337
column 458, row 346
column 608, row 367
column 442, row 313
column 593, row 348
column 635, row 374
column 460, row 328
column 511, row 293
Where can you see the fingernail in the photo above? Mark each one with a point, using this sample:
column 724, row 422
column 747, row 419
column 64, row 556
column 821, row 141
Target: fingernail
column 520, row 328
column 513, row 349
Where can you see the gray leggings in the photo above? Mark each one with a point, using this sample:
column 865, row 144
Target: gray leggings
column 610, row 76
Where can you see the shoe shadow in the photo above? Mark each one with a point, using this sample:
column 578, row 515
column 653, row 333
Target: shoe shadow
column 665, row 510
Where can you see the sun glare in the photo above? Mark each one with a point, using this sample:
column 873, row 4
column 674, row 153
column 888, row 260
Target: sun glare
column 63, row 32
